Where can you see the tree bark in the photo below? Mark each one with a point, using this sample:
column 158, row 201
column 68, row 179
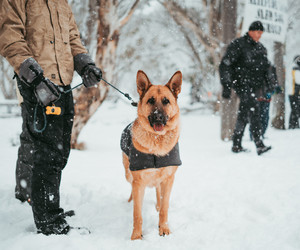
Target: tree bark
column 88, row 100
column 228, row 107
column 278, row 100
column 7, row 84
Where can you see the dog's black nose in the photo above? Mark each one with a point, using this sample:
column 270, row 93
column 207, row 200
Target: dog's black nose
column 158, row 117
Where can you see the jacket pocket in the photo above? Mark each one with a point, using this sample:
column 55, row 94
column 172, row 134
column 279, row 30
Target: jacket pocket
column 63, row 19
column 35, row 27
column 35, row 18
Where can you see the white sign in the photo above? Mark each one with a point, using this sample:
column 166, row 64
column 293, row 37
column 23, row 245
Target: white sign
column 272, row 14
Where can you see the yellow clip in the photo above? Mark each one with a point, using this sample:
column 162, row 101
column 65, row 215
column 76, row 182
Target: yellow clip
column 53, row 110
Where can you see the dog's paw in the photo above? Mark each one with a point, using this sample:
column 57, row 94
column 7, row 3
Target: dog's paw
column 136, row 236
column 164, row 230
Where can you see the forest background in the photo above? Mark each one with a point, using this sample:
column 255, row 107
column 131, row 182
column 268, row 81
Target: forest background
column 160, row 37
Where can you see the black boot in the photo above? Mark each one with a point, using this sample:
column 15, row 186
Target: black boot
column 238, row 149
column 261, row 148
column 58, row 227
column 237, row 144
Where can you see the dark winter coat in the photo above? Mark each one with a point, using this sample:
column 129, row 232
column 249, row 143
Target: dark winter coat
column 244, row 66
column 139, row 160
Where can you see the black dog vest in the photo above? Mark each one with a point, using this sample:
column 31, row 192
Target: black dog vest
column 139, row 160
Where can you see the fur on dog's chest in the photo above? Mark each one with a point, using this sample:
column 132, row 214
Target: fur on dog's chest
column 139, row 160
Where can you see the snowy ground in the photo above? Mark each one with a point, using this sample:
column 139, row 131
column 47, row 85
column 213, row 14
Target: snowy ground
column 220, row 200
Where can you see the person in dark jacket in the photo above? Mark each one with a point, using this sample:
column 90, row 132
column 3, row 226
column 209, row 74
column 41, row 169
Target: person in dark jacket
column 295, row 96
column 41, row 41
column 272, row 87
column 244, row 68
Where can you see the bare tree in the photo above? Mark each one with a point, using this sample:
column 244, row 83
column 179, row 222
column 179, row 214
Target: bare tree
column 110, row 21
column 229, row 106
column 278, row 100
column 7, row 85
column 201, row 26
column 206, row 28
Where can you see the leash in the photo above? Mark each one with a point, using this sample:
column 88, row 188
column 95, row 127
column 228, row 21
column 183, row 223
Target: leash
column 35, row 120
column 133, row 103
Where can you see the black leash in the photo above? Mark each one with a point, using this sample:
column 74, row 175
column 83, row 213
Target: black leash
column 133, row 103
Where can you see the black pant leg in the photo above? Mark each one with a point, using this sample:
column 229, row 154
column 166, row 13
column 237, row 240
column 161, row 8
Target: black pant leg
column 43, row 155
column 255, row 120
column 25, row 153
column 241, row 122
column 25, row 157
column 51, row 155
column 295, row 111
column 264, row 116
column 67, row 124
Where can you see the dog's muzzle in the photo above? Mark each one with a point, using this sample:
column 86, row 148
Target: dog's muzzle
column 158, row 120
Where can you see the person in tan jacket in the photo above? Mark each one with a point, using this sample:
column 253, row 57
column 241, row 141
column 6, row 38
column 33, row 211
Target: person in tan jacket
column 41, row 41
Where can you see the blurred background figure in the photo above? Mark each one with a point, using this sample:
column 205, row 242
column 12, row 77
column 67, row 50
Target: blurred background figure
column 264, row 98
column 244, row 68
column 295, row 96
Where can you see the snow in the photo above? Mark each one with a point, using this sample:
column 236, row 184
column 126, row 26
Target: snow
column 220, row 200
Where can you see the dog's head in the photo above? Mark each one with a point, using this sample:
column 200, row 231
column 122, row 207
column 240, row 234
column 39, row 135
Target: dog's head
column 157, row 109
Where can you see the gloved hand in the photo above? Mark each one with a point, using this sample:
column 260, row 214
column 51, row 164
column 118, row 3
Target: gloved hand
column 30, row 72
column 91, row 75
column 268, row 96
column 226, row 93
column 278, row 89
column 47, row 92
column 87, row 69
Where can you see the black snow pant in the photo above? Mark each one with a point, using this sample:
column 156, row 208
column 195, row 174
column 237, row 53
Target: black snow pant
column 249, row 111
column 43, row 155
column 295, row 111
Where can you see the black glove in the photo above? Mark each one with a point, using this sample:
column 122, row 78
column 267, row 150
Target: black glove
column 226, row 93
column 278, row 89
column 31, row 72
column 91, row 75
column 46, row 92
column 87, row 69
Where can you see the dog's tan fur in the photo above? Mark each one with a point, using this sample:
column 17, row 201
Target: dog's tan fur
column 147, row 140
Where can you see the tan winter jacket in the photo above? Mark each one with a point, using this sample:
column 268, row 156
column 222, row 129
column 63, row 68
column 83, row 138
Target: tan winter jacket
column 42, row 29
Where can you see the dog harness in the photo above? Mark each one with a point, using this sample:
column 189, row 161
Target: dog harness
column 139, row 160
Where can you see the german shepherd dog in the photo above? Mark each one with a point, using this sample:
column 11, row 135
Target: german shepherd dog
column 150, row 147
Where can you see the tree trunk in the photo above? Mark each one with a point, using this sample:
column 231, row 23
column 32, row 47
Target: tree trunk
column 228, row 107
column 278, row 100
column 88, row 100
column 7, row 84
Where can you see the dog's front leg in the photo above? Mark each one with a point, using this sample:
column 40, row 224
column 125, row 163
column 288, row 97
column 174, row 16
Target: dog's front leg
column 166, row 188
column 158, row 198
column 138, row 191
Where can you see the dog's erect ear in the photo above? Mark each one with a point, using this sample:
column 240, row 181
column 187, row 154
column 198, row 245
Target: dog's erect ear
column 174, row 83
column 142, row 82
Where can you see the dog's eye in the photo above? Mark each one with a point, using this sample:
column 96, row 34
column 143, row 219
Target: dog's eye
column 151, row 101
column 165, row 101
